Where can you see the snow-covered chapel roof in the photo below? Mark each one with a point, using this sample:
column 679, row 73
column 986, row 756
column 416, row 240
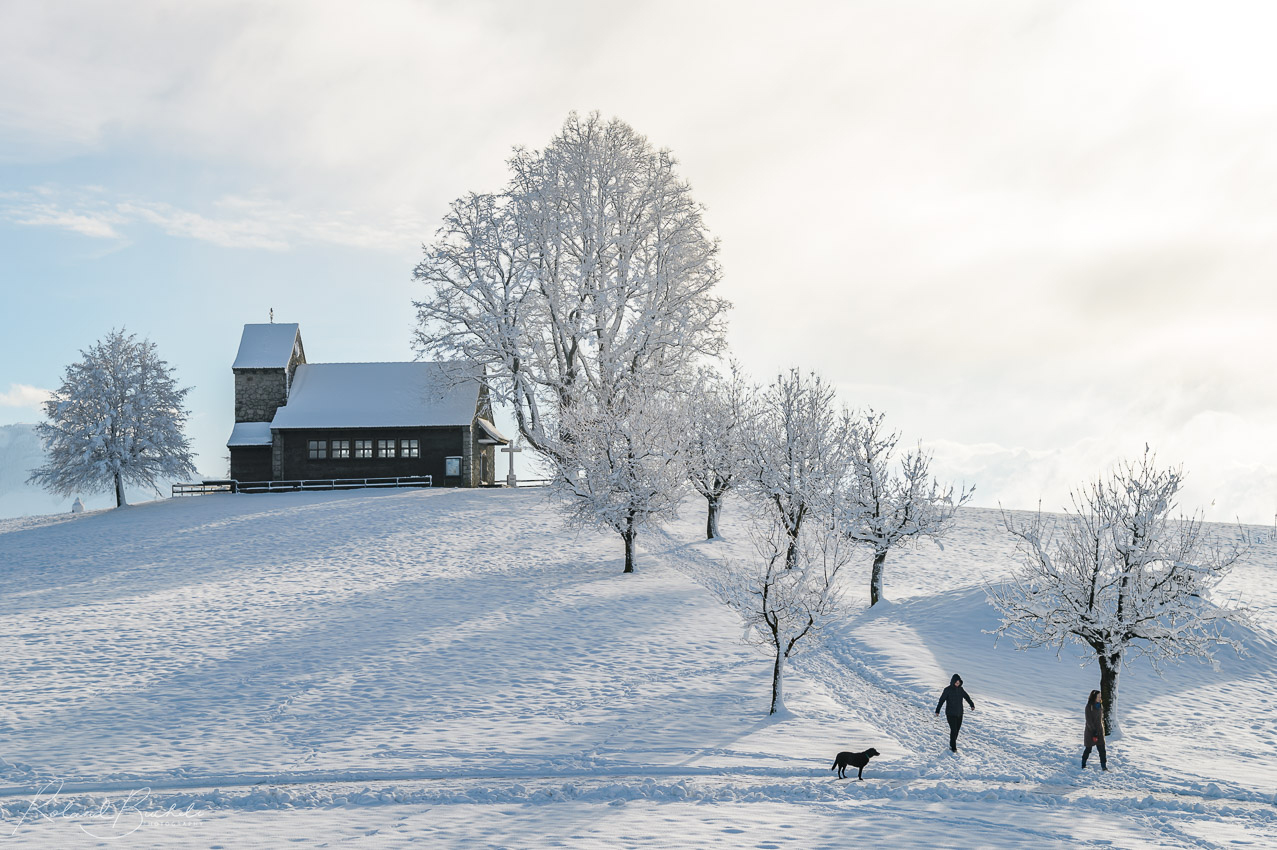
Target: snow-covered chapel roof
column 249, row 434
column 491, row 434
column 381, row 395
column 266, row 346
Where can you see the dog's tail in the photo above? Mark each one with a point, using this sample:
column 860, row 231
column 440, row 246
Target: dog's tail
column 834, row 766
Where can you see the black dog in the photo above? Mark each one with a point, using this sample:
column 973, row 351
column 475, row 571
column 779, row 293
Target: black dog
column 858, row 760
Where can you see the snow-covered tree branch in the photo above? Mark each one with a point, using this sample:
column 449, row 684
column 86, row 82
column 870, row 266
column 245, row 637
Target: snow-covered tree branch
column 887, row 508
column 716, row 417
column 1121, row 576
column 621, row 470
column 117, row 419
column 798, row 452
column 591, row 267
column 786, row 604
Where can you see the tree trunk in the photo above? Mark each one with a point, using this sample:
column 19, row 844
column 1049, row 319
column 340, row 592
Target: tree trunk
column 120, row 499
column 875, row 577
column 1110, row 666
column 791, row 553
column 711, row 520
column 778, row 684
column 628, row 536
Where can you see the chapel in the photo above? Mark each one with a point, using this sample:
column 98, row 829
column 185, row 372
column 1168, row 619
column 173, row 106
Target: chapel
column 300, row 421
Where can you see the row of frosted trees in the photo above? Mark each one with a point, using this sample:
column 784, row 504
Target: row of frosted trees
column 586, row 288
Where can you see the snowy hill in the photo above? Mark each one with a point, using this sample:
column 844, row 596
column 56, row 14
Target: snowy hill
column 306, row 669
column 21, row 452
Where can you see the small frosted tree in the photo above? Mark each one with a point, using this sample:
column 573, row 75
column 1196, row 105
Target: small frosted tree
column 797, row 451
column 786, row 605
column 716, row 416
column 621, row 469
column 117, row 419
column 887, row 507
column 1121, row 576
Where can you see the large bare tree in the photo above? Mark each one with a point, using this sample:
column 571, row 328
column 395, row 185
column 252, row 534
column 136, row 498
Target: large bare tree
column 591, row 267
column 1119, row 574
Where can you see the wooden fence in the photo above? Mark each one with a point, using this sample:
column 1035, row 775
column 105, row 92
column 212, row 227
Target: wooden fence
column 232, row 486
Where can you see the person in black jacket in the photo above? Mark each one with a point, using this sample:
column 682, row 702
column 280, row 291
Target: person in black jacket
column 951, row 698
column 1093, row 735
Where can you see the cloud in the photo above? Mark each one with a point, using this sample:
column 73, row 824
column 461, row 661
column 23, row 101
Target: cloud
column 1223, row 485
column 21, row 395
column 302, row 97
column 97, row 226
column 233, row 222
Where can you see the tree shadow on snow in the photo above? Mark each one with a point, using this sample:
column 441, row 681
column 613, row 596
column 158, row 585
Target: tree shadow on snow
column 955, row 628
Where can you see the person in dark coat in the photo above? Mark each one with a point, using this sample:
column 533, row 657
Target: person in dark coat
column 951, row 698
column 1093, row 736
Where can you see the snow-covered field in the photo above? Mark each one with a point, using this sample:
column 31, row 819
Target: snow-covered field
column 366, row 668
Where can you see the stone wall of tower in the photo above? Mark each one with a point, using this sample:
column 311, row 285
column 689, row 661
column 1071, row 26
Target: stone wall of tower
column 259, row 393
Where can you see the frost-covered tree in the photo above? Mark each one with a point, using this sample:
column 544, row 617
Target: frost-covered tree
column 798, row 451
column 786, row 604
column 117, row 419
column 621, row 470
column 1121, row 576
column 591, row 267
column 716, row 416
column 888, row 507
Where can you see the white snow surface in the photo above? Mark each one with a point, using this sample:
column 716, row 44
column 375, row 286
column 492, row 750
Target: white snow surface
column 374, row 667
column 249, row 434
column 380, row 395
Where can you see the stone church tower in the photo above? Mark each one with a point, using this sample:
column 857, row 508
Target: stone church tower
column 268, row 357
column 264, row 367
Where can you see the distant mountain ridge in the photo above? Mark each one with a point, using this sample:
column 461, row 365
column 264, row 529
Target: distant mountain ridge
column 21, row 452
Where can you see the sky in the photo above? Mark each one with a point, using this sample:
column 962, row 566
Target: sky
column 1037, row 235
